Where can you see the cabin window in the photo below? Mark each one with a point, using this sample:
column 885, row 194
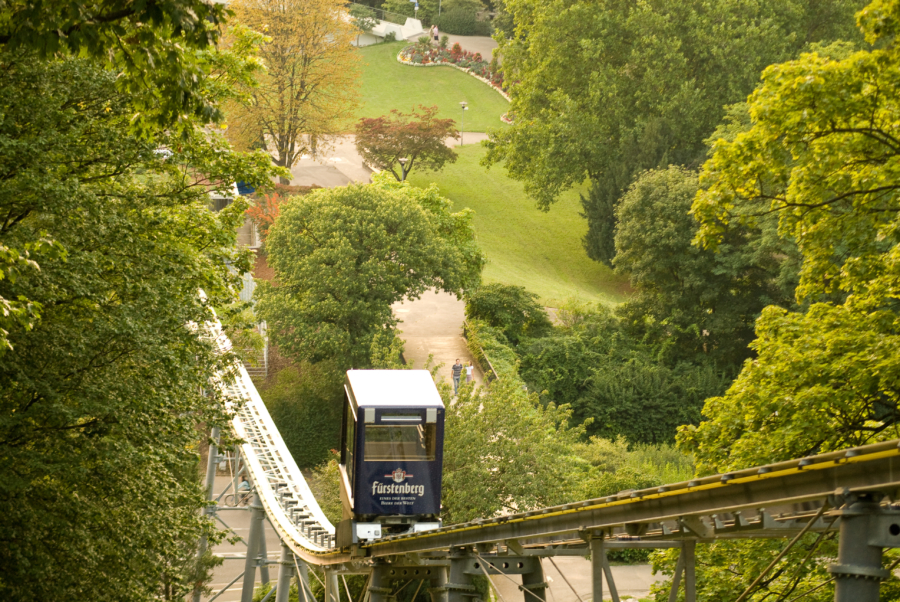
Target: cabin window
column 390, row 442
column 350, row 450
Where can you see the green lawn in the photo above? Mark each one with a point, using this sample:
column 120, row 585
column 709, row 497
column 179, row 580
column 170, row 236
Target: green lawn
column 386, row 85
column 525, row 246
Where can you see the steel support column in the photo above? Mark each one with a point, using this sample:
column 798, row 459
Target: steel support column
column 439, row 585
column 235, row 471
column 533, row 584
column 211, row 458
column 858, row 574
column 332, row 587
column 305, row 593
column 598, row 553
column 690, row 572
column 459, row 584
column 263, row 554
column 379, row 585
column 257, row 517
column 285, row 573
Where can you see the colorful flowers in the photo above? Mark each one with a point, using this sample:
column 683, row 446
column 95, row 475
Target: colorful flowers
column 472, row 62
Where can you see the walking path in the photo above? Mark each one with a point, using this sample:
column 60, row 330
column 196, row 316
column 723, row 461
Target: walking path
column 432, row 326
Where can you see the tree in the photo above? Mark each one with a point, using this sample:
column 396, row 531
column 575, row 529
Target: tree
column 615, row 383
column 702, row 302
column 305, row 403
column 158, row 47
column 308, row 91
column 504, row 451
column 363, row 18
column 820, row 156
column 511, row 308
column 604, row 90
column 404, row 140
column 100, row 399
column 342, row 256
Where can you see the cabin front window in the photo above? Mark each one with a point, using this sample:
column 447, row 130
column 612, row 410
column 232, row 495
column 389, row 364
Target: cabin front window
column 409, row 442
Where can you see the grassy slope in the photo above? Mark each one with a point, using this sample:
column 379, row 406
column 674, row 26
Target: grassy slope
column 386, row 85
column 525, row 246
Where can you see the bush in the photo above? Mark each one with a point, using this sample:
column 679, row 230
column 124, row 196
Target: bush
column 489, row 344
column 459, row 22
column 325, row 484
column 483, row 28
column 391, row 36
column 444, row 41
column 512, row 309
column 306, row 404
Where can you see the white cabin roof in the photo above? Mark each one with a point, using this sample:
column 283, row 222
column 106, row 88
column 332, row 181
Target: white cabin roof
column 394, row 388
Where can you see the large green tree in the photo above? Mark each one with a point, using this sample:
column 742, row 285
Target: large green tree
column 342, row 256
column 157, row 47
column 703, row 303
column 605, row 89
column 821, row 155
column 101, row 397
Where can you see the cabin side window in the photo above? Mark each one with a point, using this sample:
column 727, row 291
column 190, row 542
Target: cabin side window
column 350, row 446
column 390, row 442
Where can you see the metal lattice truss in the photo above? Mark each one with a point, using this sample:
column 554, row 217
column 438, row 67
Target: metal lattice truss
column 288, row 502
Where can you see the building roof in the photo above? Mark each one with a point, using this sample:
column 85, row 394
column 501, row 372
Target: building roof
column 394, row 388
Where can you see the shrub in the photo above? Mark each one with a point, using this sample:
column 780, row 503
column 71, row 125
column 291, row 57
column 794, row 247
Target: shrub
column 424, row 41
column 306, row 404
column 483, row 28
column 487, row 344
column 457, row 21
column 391, row 36
column 512, row 309
column 456, row 51
column 444, row 41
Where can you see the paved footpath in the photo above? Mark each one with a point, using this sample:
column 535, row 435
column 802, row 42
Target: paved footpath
column 432, row 326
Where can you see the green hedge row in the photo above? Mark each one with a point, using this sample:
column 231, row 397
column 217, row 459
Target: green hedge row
column 486, row 343
column 462, row 22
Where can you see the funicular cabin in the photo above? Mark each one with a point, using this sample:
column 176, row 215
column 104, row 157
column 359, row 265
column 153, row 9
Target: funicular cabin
column 391, row 454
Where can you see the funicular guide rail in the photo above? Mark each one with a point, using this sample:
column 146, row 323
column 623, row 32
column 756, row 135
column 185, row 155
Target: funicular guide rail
column 847, row 490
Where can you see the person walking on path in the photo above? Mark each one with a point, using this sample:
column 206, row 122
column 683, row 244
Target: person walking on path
column 469, row 370
column 434, row 34
column 455, row 372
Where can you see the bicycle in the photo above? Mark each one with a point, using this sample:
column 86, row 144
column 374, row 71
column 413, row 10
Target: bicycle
column 240, row 499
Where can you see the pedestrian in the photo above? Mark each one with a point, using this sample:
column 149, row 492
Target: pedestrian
column 434, row 34
column 469, row 370
column 455, row 372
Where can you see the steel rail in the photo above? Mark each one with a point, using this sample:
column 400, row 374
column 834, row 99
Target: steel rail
column 871, row 468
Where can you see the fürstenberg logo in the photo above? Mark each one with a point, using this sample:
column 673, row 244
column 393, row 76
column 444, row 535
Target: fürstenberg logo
column 398, row 476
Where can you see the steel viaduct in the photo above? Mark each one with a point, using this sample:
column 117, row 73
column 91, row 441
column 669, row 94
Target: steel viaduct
column 847, row 491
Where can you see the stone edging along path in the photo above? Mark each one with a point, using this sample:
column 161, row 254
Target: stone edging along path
column 466, row 71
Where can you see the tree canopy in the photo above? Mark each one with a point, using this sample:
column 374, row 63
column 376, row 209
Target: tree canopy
column 101, row 397
column 307, row 92
column 605, row 89
column 158, row 47
column 696, row 301
column 821, row 155
column 342, row 256
column 403, row 141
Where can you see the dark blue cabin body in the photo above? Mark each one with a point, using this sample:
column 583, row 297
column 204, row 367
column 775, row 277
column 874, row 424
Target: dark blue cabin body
column 392, row 447
column 399, row 486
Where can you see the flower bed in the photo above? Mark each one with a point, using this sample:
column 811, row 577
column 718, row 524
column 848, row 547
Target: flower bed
column 423, row 55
